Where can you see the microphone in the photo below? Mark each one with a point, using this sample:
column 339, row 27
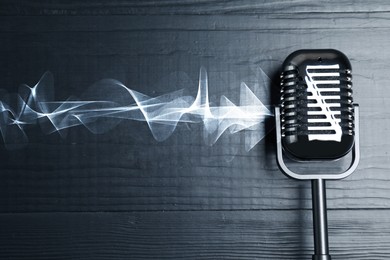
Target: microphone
column 317, row 121
column 316, row 105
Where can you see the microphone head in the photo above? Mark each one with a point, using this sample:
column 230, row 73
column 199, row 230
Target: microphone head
column 317, row 117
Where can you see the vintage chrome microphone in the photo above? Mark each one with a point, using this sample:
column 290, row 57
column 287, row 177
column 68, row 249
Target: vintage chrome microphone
column 317, row 122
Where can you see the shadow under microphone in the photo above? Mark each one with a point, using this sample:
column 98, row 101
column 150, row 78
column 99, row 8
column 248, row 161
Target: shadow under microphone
column 317, row 122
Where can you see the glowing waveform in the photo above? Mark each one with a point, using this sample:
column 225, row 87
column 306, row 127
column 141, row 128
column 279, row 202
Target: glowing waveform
column 109, row 101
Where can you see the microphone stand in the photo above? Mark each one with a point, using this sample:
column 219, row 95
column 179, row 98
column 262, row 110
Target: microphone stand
column 320, row 220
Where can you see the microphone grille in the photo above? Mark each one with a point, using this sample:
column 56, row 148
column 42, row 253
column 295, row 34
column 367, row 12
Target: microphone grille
column 318, row 103
column 316, row 98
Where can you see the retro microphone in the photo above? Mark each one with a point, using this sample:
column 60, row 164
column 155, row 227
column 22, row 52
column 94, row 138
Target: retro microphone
column 317, row 122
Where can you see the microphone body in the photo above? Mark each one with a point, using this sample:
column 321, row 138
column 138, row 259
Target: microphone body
column 317, row 113
column 316, row 122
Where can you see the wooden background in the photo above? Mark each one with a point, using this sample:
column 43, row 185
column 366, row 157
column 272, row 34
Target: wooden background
column 122, row 195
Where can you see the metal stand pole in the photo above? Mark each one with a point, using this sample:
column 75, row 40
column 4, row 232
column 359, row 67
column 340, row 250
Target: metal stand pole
column 320, row 220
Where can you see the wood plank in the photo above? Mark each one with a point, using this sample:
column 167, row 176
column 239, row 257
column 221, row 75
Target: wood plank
column 354, row 234
column 174, row 7
column 189, row 23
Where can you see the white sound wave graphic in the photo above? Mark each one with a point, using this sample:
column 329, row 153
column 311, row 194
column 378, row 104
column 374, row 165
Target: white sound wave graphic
column 109, row 101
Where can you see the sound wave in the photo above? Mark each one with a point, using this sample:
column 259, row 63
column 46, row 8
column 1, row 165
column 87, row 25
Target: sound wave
column 109, row 101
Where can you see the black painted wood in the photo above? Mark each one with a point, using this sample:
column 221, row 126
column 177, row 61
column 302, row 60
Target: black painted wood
column 354, row 234
column 177, row 7
column 182, row 172
column 182, row 198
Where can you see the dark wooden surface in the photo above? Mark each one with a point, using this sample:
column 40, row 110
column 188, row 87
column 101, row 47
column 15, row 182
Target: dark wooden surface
column 122, row 195
column 356, row 234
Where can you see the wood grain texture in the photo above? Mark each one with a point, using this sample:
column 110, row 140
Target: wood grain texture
column 177, row 7
column 122, row 195
column 126, row 169
column 354, row 234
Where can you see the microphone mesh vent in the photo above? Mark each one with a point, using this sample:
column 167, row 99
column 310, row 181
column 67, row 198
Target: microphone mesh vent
column 317, row 102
